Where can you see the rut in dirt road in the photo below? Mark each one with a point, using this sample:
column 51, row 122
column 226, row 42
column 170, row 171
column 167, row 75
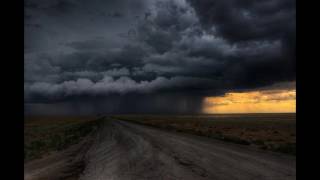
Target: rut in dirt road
column 124, row 151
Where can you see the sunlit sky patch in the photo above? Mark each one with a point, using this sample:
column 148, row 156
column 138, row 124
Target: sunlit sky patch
column 264, row 101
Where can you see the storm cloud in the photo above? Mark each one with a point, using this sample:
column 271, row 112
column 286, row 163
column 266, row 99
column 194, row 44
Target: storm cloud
column 76, row 49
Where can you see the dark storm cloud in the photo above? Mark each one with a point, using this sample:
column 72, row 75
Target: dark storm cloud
column 243, row 22
column 92, row 44
column 135, row 48
column 247, row 20
column 116, row 14
column 99, row 60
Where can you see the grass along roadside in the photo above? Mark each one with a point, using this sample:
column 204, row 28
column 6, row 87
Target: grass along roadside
column 274, row 132
column 43, row 135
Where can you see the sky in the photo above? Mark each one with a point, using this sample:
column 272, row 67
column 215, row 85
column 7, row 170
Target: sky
column 159, row 56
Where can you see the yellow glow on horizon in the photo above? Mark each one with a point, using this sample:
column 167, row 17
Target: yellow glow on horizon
column 266, row 101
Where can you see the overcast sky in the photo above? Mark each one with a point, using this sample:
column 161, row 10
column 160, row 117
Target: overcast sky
column 165, row 56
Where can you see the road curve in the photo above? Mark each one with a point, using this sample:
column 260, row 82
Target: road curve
column 124, row 151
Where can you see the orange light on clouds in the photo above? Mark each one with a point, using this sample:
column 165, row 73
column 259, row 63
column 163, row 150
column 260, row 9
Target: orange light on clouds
column 264, row 101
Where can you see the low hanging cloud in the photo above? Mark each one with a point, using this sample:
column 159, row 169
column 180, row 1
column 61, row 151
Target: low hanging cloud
column 108, row 85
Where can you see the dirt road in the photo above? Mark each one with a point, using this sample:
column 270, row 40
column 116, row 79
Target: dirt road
column 124, row 151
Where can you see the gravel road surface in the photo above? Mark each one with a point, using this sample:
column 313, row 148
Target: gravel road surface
column 123, row 151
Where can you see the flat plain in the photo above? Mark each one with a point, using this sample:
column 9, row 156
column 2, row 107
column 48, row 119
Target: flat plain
column 158, row 147
column 274, row 132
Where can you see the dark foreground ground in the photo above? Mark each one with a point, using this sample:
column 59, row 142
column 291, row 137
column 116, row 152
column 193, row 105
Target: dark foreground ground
column 123, row 150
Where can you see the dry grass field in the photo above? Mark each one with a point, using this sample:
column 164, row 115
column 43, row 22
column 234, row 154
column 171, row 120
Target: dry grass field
column 274, row 132
column 43, row 135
